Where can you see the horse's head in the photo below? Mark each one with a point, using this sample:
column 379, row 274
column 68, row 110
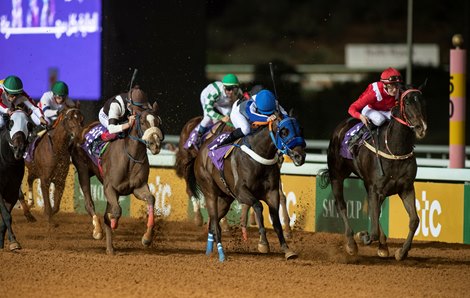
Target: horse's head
column 72, row 120
column 19, row 127
column 148, row 125
column 289, row 139
column 413, row 111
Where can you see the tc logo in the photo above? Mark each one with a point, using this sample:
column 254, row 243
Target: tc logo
column 428, row 219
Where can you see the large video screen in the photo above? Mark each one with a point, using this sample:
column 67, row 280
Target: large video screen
column 42, row 41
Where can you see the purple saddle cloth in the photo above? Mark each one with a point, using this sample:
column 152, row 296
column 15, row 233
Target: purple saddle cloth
column 90, row 136
column 344, row 150
column 29, row 154
column 216, row 154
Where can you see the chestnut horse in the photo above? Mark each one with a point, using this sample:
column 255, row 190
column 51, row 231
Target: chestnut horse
column 13, row 143
column 393, row 156
column 185, row 157
column 251, row 173
column 51, row 157
column 124, row 170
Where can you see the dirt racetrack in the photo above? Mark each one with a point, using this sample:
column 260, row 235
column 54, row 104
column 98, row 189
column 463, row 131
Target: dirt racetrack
column 62, row 260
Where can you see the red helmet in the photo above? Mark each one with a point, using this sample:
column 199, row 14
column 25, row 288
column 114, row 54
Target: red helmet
column 391, row 76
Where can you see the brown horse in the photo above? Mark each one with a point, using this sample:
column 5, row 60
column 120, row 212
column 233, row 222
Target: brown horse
column 13, row 143
column 184, row 159
column 124, row 170
column 51, row 158
column 388, row 169
column 250, row 174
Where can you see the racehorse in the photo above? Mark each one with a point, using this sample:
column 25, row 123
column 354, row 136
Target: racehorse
column 250, row 173
column 184, row 159
column 51, row 157
column 13, row 143
column 388, row 168
column 123, row 169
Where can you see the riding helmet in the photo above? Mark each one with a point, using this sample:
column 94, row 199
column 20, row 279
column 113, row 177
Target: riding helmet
column 391, row 76
column 137, row 96
column 13, row 85
column 60, row 88
column 265, row 102
column 230, row 80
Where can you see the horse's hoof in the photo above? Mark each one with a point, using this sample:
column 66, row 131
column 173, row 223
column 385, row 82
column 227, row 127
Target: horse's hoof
column 399, row 256
column 15, row 246
column 146, row 242
column 263, row 248
column 351, row 248
column 383, row 251
column 98, row 235
column 30, row 203
column 290, row 255
column 110, row 252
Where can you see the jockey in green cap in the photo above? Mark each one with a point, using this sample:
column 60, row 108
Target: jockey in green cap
column 217, row 100
column 55, row 100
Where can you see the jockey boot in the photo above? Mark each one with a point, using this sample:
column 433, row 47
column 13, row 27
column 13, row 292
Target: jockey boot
column 200, row 132
column 107, row 137
column 358, row 136
column 232, row 137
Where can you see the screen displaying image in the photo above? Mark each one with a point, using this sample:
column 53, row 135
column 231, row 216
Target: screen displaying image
column 42, row 41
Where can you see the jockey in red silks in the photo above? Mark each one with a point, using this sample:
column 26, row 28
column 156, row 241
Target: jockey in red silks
column 12, row 96
column 375, row 103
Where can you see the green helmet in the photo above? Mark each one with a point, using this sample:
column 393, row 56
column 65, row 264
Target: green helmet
column 13, row 85
column 60, row 88
column 230, row 80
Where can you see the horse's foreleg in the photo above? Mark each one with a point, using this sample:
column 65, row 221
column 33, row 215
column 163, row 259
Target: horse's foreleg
column 382, row 251
column 58, row 193
column 285, row 212
column 113, row 208
column 337, row 188
column 274, row 213
column 143, row 193
column 30, row 189
column 408, row 198
column 375, row 201
column 45, row 185
column 108, row 230
column 7, row 222
column 263, row 244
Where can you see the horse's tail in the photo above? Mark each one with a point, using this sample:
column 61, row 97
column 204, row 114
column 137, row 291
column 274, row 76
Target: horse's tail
column 324, row 175
column 184, row 158
column 191, row 182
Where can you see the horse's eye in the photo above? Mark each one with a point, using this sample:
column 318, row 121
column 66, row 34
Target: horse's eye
column 284, row 132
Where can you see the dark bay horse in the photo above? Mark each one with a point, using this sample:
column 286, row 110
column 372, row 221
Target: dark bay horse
column 51, row 157
column 251, row 173
column 13, row 143
column 394, row 154
column 124, row 171
column 184, row 159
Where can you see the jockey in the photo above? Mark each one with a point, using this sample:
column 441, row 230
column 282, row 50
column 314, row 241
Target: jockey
column 55, row 100
column 260, row 108
column 116, row 114
column 375, row 103
column 216, row 100
column 12, row 96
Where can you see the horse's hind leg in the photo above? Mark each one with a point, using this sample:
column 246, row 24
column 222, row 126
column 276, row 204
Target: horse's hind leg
column 31, row 179
column 408, row 198
column 143, row 193
column 337, row 188
column 45, row 186
column 382, row 251
column 263, row 244
column 84, row 180
column 214, row 234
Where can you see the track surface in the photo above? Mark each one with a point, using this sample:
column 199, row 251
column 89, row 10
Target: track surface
column 62, row 260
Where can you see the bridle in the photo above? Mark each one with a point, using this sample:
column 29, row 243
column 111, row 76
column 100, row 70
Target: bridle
column 405, row 120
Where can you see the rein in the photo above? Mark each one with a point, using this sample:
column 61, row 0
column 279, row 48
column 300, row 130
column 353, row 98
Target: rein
column 402, row 109
column 139, row 139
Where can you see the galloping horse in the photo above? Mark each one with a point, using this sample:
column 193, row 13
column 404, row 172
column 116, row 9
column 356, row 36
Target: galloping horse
column 250, row 173
column 388, row 169
column 123, row 169
column 185, row 157
column 13, row 143
column 51, row 157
